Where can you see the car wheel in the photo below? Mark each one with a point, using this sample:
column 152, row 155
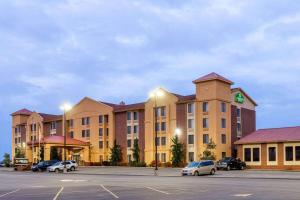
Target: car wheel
column 56, row 170
column 196, row 173
column 72, row 169
column 228, row 168
column 212, row 172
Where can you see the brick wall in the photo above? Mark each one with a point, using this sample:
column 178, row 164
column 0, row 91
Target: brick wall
column 121, row 133
column 142, row 134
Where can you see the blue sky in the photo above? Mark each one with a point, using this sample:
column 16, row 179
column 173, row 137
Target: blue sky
column 62, row 50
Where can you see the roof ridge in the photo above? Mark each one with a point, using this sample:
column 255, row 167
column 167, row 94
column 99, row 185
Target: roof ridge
column 279, row 128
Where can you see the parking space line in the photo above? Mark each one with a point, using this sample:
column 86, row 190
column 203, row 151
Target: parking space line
column 242, row 195
column 110, row 192
column 9, row 193
column 150, row 188
column 58, row 193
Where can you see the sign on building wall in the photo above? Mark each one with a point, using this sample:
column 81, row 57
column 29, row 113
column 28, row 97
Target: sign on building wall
column 239, row 98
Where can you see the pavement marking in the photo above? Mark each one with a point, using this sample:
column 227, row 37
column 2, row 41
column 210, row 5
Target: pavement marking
column 150, row 188
column 58, row 193
column 107, row 190
column 9, row 193
column 242, row 195
column 72, row 180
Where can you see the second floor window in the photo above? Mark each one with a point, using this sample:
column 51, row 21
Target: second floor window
column 100, row 132
column 71, row 134
column 85, row 121
column 157, row 127
column 223, row 138
column 163, row 141
column 135, row 129
column 205, row 122
column 190, row 123
column 85, row 133
column 190, row 139
column 223, row 107
column 223, row 123
column 205, row 107
column 163, row 126
column 205, row 138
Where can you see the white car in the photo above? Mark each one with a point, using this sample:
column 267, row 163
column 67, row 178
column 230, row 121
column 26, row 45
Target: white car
column 71, row 165
column 199, row 168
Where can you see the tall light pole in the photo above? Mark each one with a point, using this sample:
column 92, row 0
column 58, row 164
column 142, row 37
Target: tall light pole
column 156, row 94
column 65, row 108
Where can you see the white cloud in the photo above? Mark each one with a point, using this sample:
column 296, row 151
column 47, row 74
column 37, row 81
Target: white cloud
column 131, row 40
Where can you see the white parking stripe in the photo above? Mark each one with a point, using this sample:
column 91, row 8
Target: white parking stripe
column 9, row 193
column 109, row 191
column 242, row 195
column 150, row 188
column 58, row 193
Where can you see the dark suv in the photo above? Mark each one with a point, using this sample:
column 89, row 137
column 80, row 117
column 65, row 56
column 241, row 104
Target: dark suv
column 42, row 166
column 229, row 163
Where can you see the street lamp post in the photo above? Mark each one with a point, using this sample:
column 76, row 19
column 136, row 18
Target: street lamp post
column 155, row 94
column 65, row 108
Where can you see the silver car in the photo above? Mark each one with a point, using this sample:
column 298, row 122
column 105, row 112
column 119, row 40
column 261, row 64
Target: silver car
column 59, row 166
column 201, row 167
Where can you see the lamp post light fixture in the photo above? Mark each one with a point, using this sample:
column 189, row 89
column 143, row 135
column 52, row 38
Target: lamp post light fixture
column 65, row 108
column 177, row 132
column 157, row 93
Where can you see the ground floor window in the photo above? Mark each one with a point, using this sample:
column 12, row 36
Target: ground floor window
column 297, row 149
column 289, row 154
column 272, row 154
column 256, row 154
column 223, row 154
column 247, row 154
column 163, row 157
column 129, row 158
column 191, row 156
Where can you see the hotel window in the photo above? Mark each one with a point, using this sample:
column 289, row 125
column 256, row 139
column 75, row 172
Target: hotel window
column 34, row 138
column 163, row 126
column 205, row 122
column 100, row 132
column 238, row 112
column 157, row 112
column 205, row 107
column 223, row 154
column 223, row 123
column 190, row 108
column 107, row 145
column 272, row 153
column 71, row 134
column 16, row 140
column 190, row 123
column 128, row 143
column 247, row 154
column 135, row 129
column 128, row 129
column 256, row 154
column 33, row 127
column 223, row 138
column 157, row 128
column 163, row 157
column 163, row 111
column 157, row 141
column 297, row 149
column 100, row 119
column 191, row 156
column 205, row 138
column 85, row 133
column 289, row 154
column 70, row 123
column 223, row 107
column 107, row 132
column 128, row 116
column 101, row 144
column 52, row 125
column 106, row 118
column 239, row 127
column 190, row 139
column 163, row 141
column 85, row 121
column 135, row 116
column 158, row 157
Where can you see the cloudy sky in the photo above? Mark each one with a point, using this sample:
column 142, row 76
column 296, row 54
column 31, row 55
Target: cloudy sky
column 62, row 50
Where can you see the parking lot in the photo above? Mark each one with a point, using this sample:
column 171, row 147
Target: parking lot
column 224, row 185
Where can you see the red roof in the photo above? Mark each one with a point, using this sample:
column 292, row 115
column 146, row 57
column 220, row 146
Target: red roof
column 50, row 118
column 136, row 106
column 289, row 134
column 56, row 139
column 187, row 98
column 212, row 76
column 23, row 111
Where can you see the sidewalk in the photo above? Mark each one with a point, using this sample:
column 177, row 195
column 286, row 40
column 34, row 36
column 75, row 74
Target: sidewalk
column 175, row 172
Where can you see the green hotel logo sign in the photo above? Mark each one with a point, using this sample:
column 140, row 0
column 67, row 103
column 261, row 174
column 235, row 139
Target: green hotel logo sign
column 239, row 98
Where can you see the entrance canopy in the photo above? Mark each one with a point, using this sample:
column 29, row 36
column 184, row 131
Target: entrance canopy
column 55, row 139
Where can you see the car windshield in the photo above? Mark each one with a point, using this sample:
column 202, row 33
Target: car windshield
column 193, row 164
column 226, row 159
column 41, row 163
column 56, row 164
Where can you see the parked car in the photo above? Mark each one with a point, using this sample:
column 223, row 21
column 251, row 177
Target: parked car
column 43, row 165
column 71, row 165
column 201, row 167
column 230, row 163
column 2, row 164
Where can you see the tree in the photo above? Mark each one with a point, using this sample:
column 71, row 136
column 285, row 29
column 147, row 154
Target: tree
column 177, row 150
column 19, row 153
column 208, row 154
column 6, row 160
column 54, row 153
column 136, row 150
column 116, row 154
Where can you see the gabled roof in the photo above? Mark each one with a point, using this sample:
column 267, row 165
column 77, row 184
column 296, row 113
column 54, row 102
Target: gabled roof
column 187, row 98
column 50, row 117
column 212, row 76
column 23, row 111
column 288, row 134
column 240, row 89
column 57, row 139
column 136, row 106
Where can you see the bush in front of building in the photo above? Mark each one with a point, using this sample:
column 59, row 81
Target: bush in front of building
column 6, row 160
column 177, row 150
column 152, row 164
column 137, row 164
column 116, row 154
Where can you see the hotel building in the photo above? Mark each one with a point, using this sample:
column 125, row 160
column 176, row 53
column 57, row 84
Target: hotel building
column 215, row 112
